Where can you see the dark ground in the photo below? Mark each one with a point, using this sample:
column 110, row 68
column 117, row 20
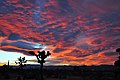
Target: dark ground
column 34, row 74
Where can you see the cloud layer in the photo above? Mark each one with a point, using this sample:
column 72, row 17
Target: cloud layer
column 78, row 32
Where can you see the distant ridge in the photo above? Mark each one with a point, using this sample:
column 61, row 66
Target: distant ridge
column 69, row 67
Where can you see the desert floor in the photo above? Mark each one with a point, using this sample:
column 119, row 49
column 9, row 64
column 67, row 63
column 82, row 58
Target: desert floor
column 34, row 74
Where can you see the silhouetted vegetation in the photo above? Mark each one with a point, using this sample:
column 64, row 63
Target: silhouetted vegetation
column 41, row 56
column 117, row 65
column 118, row 50
column 21, row 62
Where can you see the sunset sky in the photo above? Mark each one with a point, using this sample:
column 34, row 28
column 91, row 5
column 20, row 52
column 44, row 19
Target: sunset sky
column 76, row 32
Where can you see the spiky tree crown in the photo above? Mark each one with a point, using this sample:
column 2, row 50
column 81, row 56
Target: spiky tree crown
column 118, row 50
column 41, row 55
column 21, row 61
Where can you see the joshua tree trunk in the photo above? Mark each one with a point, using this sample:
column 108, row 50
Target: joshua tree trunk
column 41, row 70
column 40, row 57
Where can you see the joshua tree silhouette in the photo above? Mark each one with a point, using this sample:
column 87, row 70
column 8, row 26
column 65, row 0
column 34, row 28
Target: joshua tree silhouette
column 8, row 64
column 41, row 56
column 118, row 50
column 21, row 62
column 117, row 64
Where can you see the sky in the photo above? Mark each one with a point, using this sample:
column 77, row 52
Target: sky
column 76, row 32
